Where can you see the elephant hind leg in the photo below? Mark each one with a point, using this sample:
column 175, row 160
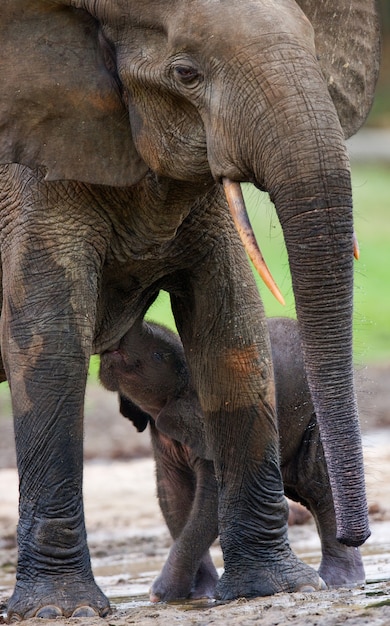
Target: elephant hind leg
column 342, row 567
column 306, row 481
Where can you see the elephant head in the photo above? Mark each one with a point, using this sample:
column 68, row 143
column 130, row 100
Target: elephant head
column 208, row 92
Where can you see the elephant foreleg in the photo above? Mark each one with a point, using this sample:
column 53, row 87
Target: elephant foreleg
column 47, row 330
column 222, row 325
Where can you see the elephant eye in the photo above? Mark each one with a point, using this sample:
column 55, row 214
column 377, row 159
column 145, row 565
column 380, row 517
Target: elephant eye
column 161, row 357
column 186, row 74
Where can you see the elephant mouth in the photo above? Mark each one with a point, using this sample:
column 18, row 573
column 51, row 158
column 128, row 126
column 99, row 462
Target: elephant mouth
column 236, row 202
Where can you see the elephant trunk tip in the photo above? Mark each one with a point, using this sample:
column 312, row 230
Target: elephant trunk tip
column 355, row 539
column 242, row 223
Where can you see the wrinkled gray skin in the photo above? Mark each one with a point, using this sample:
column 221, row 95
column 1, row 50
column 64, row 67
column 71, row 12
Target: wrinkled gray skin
column 149, row 371
column 118, row 121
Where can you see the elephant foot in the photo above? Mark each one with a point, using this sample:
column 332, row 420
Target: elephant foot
column 174, row 584
column 60, row 598
column 169, row 588
column 250, row 580
column 206, row 580
column 343, row 568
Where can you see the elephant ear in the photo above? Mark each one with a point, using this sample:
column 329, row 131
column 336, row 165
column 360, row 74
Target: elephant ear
column 182, row 419
column 133, row 413
column 347, row 39
column 60, row 107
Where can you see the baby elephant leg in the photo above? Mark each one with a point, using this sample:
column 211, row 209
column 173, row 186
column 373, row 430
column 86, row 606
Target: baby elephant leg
column 149, row 371
column 187, row 493
column 303, row 466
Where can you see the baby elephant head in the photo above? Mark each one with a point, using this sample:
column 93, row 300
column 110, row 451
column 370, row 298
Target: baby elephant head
column 149, row 371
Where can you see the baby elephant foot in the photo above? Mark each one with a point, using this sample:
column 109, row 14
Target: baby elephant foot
column 287, row 574
column 206, row 580
column 57, row 599
column 343, row 567
column 180, row 583
column 167, row 588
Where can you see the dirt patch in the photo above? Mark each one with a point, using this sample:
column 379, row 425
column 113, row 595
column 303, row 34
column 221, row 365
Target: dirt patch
column 129, row 541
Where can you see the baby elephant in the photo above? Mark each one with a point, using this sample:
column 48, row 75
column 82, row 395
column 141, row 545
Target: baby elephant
column 149, row 371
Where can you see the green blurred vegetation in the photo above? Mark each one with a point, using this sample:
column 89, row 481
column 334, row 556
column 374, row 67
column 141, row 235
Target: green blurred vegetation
column 371, row 186
column 371, row 191
column 372, row 273
column 380, row 112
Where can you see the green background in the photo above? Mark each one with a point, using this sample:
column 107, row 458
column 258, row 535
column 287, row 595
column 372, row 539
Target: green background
column 371, row 189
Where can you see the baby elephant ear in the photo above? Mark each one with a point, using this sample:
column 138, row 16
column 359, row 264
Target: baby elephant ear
column 60, row 108
column 347, row 39
column 133, row 413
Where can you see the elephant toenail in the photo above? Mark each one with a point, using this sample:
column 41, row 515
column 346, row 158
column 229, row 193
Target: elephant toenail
column 154, row 597
column 84, row 611
column 14, row 618
column 49, row 612
column 322, row 584
column 311, row 589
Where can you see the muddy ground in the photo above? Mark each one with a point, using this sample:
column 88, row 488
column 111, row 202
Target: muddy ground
column 129, row 541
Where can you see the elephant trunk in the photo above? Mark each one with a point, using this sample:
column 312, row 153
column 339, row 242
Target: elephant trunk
column 308, row 180
column 319, row 241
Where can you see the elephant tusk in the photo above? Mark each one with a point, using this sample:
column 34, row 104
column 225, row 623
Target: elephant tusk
column 356, row 250
column 238, row 210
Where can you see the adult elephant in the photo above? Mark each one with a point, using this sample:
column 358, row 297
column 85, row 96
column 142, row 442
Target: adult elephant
column 119, row 122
